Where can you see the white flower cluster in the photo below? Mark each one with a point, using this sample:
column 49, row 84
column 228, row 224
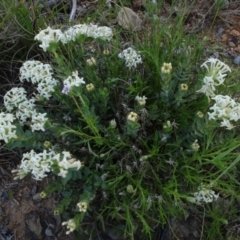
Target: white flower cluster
column 141, row 100
column 226, row 109
column 39, row 164
column 7, row 129
column 37, row 72
column 131, row 57
column 49, row 35
column 38, row 121
column 216, row 73
column 205, row 195
column 65, row 162
column 15, row 100
column 89, row 30
column 73, row 80
column 14, row 97
column 71, row 225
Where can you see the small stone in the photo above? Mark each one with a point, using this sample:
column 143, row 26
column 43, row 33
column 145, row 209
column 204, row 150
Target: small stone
column 231, row 44
column 220, row 31
column 49, row 232
column 236, row 60
column 237, row 49
column 235, row 33
column 37, row 197
column 224, row 37
column 33, row 227
column 129, row 20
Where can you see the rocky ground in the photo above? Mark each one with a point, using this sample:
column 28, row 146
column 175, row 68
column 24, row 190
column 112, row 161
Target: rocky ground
column 25, row 216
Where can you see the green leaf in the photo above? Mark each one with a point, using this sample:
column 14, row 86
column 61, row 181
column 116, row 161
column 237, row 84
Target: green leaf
column 67, row 178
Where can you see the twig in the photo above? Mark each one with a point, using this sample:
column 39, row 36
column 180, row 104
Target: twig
column 201, row 237
column 73, row 11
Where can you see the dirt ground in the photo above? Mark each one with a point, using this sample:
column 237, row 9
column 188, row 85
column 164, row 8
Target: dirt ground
column 25, row 216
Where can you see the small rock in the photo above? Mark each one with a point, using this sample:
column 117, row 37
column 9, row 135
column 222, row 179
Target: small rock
column 236, row 60
column 49, row 232
column 224, row 37
column 231, row 44
column 129, row 20
column 33, row 227
column 37, row 197
column 220, row 31
column 235, row 33
column 237, row 49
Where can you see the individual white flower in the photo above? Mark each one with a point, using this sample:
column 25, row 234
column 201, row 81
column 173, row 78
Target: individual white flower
column 133, row 117
column 38, row 121
column 82, row 206
column 166, row 68
column 208, row 88
column 226, row 123
column 195, row 146
column 71, row 225
column 131, row 57
column 20, row 174
column 113, row 123
column 141, row 100
column 66, row 89
column 74, row 80
column 66, row 162
column 205, row 195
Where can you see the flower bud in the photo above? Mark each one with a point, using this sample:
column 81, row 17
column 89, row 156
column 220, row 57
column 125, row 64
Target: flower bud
column 184, row 87
column 90, row 87
column 113, row 123
column 91, row 61
column 132, row 116
column 130, row 189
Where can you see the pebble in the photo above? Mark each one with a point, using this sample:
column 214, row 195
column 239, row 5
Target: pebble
column 236, row 60
column 231, row 44
column 220, row 31
column 37, row 197
column 224, row 37
column 235, row 33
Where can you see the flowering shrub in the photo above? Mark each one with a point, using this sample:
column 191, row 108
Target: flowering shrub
column 133, row 132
